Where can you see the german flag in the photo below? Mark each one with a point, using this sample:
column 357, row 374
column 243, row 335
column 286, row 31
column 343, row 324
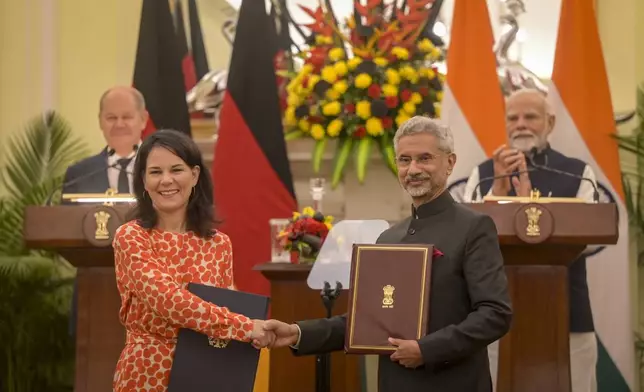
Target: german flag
column 251, row 172
column 157, row 70
column 199, row 55
column 187, row 63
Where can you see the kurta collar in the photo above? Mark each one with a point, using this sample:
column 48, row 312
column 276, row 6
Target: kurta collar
column 436, row 206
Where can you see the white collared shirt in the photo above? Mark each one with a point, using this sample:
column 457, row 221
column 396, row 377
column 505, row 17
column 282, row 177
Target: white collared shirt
column 113, row 172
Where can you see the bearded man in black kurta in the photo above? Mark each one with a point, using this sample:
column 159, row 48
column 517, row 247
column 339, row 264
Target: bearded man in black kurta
column 470, row 306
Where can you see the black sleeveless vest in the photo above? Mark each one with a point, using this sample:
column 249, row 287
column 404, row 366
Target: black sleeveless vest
column 557, row 185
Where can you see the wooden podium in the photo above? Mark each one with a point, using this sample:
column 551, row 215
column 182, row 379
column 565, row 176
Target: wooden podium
column 82, row 234
column 539, row 239
column 292, row 300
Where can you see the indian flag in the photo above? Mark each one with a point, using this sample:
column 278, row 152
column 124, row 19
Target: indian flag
column 581, row 98
column 473, row 104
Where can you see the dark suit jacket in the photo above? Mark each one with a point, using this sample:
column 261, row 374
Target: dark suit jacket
column 97, row 183
column 469, row 308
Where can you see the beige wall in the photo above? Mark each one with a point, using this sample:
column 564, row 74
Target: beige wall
column 63, row 54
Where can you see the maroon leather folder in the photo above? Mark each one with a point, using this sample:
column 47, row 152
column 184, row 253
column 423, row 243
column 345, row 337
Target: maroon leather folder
column 388, row 297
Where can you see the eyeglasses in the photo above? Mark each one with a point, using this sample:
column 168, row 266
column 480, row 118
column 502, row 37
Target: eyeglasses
column 422, row 160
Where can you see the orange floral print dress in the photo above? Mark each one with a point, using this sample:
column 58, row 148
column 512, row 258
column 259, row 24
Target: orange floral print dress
column 153, row 269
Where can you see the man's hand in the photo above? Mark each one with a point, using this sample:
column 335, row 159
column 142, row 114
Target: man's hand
column 260, row 337
column 283, row 334
column 522, row 185
column 506, row 160
column 407, row 353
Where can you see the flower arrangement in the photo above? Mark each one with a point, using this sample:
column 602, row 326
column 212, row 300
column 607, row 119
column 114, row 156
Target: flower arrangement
column 305, row 234
column 359, row 85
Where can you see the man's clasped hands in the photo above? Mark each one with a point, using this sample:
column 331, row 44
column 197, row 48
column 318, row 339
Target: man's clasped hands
column 276, row 334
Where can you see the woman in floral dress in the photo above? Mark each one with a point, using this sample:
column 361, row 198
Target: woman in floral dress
column 169, row 243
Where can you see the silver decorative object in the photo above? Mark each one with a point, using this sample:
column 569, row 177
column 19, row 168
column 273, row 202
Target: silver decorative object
column 208, row 95
column 512, row 74
column 316, row 186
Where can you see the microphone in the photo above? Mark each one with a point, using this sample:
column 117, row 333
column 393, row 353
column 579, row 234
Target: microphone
column 115, row 165
column 533, row 152
column 500, row 176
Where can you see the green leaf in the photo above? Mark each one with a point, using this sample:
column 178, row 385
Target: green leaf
column 362, row 157
column 343, row 151
column 293, row 135
column 318, row 154
column 387, row 150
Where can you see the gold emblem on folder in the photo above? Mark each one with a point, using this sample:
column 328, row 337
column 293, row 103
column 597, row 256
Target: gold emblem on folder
column 388, row 300
column 533, row 229
column 218, row 343
column 102, row 218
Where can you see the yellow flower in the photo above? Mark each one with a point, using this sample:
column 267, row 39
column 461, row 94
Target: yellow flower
column 392, row 76
column 389, row 90
column 336, row 54
column 354, row 62
column 381, row 61
column 332, row 95
column 374, row 126
column 363, row 81
column 436, row 53
column 363, row 109
column 400, row 53
column 317, row 131
column 334, row 127
column 425, row 45
column 340, row 68
column 439, row 96
column 313, row 79
column 437, row 109
column 410, row 108
column 296, row 215
column 313, row 110
column 289, row 116
column 401, row 118
column 409, row 73
column 306, row 69
column 304, row 125
column 331, row 108
column 340, row 86
column 293, row 100
column 323, row 40
column 308, row 211
column 416, row 98
column 328, row 74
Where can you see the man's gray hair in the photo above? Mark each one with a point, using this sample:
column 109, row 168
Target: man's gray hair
column 136, row 94
column 543, row 97
column 421, row 124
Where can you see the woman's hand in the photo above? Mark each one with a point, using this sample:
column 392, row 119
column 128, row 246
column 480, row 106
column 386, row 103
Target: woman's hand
column 260, row 337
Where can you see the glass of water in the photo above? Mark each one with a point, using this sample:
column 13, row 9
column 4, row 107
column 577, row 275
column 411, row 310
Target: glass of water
column 278, row 253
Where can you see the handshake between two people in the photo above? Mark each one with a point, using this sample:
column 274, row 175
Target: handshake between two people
column 273, row 334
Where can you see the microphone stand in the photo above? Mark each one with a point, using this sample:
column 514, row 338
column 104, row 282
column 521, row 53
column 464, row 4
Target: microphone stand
column 323, row 361
column 564, row 173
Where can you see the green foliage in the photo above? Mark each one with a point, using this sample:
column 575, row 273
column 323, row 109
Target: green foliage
column 36, row 352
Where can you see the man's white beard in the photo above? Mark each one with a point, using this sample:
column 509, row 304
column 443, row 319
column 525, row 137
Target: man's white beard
column 419, row 191
column 525, row 143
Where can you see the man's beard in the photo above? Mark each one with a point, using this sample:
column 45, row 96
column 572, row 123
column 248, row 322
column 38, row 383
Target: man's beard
column 525, row 141
column 419, row 191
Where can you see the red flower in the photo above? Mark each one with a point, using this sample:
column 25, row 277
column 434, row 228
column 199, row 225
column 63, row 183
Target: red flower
column 405, row 95
column 387, row 122
column 391, row 102
column 360, row 132
column 374, row 91
column 424, row 91
column 350, row 108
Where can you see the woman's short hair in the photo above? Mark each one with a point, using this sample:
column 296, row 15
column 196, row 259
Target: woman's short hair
column 200, row 214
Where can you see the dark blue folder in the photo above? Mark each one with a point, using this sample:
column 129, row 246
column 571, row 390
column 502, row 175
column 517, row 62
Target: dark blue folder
column 202, row 364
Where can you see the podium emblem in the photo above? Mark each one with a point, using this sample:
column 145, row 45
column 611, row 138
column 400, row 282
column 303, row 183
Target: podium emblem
column 218, row 343
column 533, row 214
column 102, row 217
column 388, row 299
